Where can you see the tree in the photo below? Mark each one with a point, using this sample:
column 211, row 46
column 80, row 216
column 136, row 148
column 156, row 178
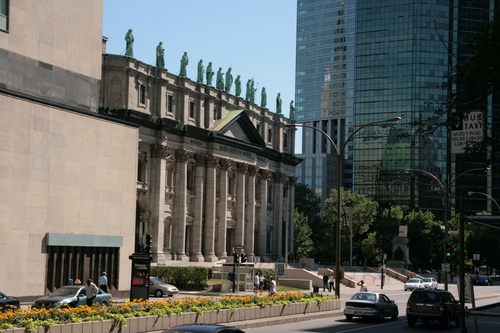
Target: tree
column 363, row 215
column 476, row 78
column 387, row 227
column 302, row 237
column 426, row 238
column 308, row 203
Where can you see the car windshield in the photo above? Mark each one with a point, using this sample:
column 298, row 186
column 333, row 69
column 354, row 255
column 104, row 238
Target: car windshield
column 65, row 292
column 413, row 281
column 427, row 280
column 364, row 297
column 482, row 278
column 156, row 281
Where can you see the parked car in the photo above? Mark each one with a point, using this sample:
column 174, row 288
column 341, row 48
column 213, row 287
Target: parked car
column 158, row 288
column 72, row 296
column 432, row 305
column 413, row 284
column 430, row 283
column 195, row 328
column 374, row 305
column 8, row 302
column 483, row 280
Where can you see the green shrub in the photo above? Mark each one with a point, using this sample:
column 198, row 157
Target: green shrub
column 185, row 277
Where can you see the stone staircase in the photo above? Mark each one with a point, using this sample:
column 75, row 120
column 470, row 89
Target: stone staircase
column 373, row 279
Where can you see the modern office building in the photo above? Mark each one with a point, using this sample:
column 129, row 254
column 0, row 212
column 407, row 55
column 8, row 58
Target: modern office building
column 364, row 61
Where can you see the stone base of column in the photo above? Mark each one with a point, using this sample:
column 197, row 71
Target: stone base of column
column 197, row 258
column 182, row 257
column 211, row 258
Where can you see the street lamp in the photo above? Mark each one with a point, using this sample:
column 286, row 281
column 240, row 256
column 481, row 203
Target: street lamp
column 446, row 194
column 340, row 155
column 486, row 195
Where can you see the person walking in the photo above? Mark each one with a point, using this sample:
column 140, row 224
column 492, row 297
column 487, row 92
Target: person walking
column 272, row 286
column 325, row 282
column 256, row 283
column 331, row 282
column 362, row 286
column 261, row 283
column 103, row 282
column 91, row 292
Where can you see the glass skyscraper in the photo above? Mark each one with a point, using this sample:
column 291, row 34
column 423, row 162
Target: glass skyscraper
column 360, row 61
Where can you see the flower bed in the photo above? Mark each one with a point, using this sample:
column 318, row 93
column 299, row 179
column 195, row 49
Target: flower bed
column 142, row 316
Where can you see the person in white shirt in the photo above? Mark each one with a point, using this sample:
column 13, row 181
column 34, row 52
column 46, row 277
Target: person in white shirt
column 256, row 283
column 103, row 282
column 91, row 292
column 272, row 286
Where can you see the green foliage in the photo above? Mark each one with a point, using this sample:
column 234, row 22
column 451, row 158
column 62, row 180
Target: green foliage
column 426, row 238
column 302, row 238
column 363, row 215
column 184, row 278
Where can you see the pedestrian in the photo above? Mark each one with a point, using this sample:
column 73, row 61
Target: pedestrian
column 362, row 286
column 256, row 283
column 261, row 283
column 325, row 282
column 103, row 282
column 91, row 292
column 332, row 283
column 272, row 286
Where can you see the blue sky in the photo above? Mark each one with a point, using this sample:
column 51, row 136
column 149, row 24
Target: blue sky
column 256, row 38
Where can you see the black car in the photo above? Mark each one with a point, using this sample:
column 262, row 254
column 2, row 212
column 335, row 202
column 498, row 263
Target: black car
column 432, row 305
column 483, row 281
column 202, row 328
column 8, row 302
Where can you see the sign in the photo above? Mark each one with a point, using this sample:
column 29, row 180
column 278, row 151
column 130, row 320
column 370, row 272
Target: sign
column 468, row 289
column 445, row 267
column 453, row 232
column 403, row 231
column 470, row 129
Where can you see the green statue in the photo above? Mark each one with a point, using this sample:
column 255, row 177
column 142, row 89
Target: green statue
column 201, row 71
column 263, row 97
column 184, row 63
column 248, row 92
column 252, row 91
column 160, row 56
column 292, row 111
column 278, row 103
column 229, row 80
column 210, row 74
column 237, row 84
column 129, row 38
column 220, row 79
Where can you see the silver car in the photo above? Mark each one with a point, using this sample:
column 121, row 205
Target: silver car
column 430, row 283
column 158, row 288
column 374, row 305
column 72, row 296
column 413, row 284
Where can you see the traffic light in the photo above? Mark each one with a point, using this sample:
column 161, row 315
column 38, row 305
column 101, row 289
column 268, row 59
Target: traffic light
column 149, row 244
column 448, row 249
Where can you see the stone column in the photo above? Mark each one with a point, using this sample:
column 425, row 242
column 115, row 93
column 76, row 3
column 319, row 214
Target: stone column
column 249, row 234
column 261, row 242
column 240, row 204
column 197, row 229
column 157, row 199
column 209, row 207
column 181, row 156
column 220, row 248
column 279, row 235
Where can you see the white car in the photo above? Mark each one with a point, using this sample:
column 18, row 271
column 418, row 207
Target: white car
column 413, row 284
column 430, row 283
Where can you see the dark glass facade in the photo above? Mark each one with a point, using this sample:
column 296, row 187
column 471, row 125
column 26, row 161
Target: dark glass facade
column 386, row 58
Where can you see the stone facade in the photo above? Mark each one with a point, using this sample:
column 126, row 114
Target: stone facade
column 216, row 172
column 67, row 173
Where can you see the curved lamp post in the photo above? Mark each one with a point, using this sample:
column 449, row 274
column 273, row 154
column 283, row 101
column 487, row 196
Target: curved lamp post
column 486, row 195
column 446, row 193
column 340, row 154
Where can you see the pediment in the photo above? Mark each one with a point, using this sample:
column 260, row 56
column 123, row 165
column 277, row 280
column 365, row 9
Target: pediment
column 237, row 125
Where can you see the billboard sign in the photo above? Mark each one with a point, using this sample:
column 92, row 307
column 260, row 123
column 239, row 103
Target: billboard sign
column 469, row 129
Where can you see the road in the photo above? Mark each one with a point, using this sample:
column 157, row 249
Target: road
column 339, row 323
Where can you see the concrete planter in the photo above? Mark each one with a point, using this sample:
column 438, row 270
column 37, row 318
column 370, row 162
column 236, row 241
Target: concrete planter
column 157, row 323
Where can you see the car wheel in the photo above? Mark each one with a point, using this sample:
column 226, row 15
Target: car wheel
column 395, row 314
column 425, row 321
column 447, row 321
column 158, row 293
column 104, row 303
column 348, row 317
column 411, row 321
column 380, row 317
